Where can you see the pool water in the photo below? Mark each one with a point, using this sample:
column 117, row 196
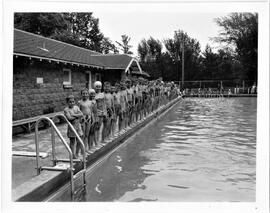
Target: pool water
column 201, row 150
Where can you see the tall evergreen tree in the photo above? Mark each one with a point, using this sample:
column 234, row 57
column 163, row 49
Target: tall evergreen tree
column 143, row 50
column 107, row 46
column 124, row 44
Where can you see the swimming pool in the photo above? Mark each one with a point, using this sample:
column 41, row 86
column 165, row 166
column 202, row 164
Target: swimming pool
column 201, row 150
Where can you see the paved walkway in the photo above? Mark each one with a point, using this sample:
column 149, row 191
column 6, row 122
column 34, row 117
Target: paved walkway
column 23, row 167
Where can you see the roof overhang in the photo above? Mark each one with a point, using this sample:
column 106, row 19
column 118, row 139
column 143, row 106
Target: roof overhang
column 56, row 60
column 130, row 63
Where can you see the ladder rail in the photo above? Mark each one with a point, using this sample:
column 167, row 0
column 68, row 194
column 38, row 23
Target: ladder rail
column 83, row 149
column 53, row 146
column 77, row 136
column 63, row 141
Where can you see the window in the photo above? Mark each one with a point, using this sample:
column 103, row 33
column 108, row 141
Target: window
column 67, row 76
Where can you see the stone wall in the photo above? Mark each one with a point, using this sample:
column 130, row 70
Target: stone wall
column 33, row 99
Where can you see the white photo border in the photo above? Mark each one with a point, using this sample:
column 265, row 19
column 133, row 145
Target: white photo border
column 262, row 159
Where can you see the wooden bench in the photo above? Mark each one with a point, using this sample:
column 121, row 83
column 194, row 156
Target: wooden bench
column 29, row 123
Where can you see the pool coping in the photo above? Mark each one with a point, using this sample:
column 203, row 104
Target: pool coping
column 42, row 186
column 224, row 96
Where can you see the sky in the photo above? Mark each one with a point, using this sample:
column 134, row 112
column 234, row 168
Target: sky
column 159, row 25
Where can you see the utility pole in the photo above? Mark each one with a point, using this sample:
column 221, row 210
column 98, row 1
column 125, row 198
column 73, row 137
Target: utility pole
column 183, row 63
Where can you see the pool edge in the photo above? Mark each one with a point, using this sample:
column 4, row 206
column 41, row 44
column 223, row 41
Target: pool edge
column 48, row 182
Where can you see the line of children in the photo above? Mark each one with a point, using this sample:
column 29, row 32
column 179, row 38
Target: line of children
column 100, row 115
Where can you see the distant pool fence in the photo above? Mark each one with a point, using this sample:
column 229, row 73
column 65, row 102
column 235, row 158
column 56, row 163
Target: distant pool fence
column 219, row 86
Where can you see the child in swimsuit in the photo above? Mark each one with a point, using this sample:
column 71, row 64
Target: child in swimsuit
column 117, row 105
column 73, row 114
column 124, row 105
column 93, row 135
column 101, row 109
column 109, row 107
column 86, row 108
column 114, row 116
column 130, row 98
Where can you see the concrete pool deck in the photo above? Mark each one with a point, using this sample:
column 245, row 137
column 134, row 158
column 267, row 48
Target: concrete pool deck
column 28, row 186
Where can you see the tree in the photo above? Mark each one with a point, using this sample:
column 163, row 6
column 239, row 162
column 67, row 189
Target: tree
column 168, row 64
column 46, row 24
column 86, row 28
column 150, row 49
column 67, row 37
column 225, row 65
column 107, row 46
column 192, row 49
column 240, row 30
column 150, row 53
column 124, row 44
column 143, row 50
column 81, row 29
column 210, row 65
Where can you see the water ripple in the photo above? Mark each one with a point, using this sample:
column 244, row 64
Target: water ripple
column 201, row 150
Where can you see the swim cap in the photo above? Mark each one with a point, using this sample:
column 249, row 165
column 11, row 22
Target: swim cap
column 97, row 83
column 92, row 91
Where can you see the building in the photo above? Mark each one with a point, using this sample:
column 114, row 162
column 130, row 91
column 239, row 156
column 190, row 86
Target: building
column 45, row 71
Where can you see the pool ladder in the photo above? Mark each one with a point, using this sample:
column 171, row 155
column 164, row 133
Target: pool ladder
column 71, row 161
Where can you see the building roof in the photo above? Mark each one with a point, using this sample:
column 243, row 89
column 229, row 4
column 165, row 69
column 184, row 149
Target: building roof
column 143, row 73
column 114, row 61
column 36, row 46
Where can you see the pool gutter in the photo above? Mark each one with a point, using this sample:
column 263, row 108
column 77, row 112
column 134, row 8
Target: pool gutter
column 45, row 184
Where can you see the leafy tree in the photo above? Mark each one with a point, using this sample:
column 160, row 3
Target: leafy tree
column 86, row 28
column 81, row 29
column 168, row 64
column 150, row 55
column 192, row 51
column 240, row 30
column 124, row 44
column 150, row 49
column 155, row 47
column 210, row 64
column 225, row 65
column 67, row 37
column 45, row 24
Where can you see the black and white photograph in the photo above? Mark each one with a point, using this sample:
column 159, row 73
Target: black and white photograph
column 148, row 103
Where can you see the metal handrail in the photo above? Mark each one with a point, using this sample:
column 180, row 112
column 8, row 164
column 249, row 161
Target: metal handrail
column 63, row 141
column 78, row 137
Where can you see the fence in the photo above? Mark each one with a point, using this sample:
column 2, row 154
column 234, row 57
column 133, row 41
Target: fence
column 235, row 86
